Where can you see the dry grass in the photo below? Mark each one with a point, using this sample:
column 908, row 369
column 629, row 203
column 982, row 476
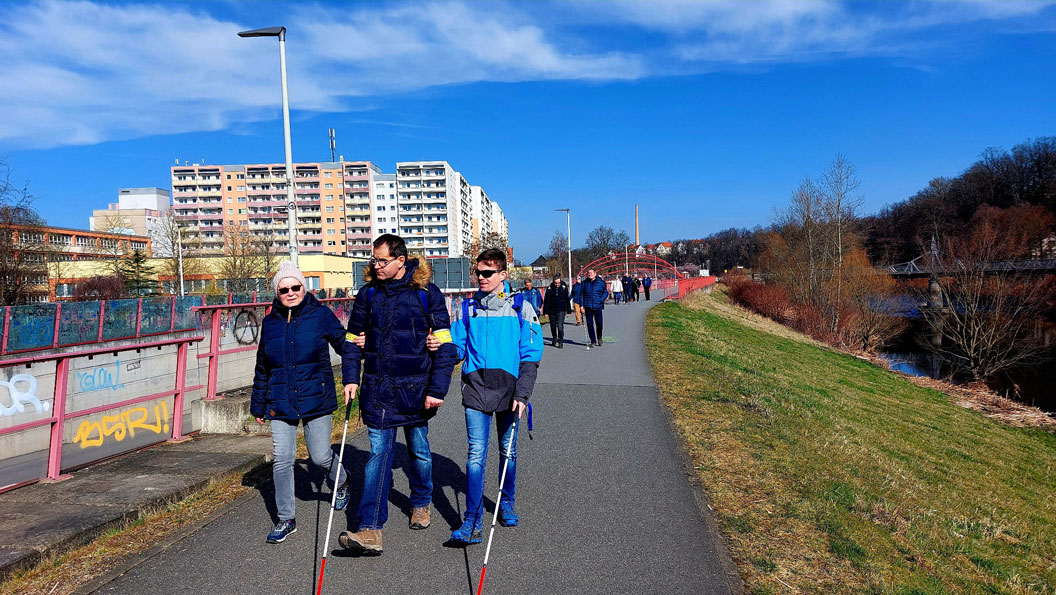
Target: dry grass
column 832, row 475
column 66, row 573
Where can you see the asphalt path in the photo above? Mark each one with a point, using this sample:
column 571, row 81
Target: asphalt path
column 603, row 496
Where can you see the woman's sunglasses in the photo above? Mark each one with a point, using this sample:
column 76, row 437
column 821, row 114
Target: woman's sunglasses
column 293, row 288
column 485, row 273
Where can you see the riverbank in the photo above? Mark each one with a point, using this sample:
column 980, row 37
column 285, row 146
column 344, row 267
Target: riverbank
column 832, row 474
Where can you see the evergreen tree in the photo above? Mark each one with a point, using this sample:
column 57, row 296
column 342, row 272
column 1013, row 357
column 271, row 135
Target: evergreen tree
column 138, row 274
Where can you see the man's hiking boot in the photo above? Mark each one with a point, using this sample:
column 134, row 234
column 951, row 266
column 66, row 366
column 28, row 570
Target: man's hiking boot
column 367, row 541
column 282, row 530
column 420, row 518
column 507, row 516
column 466, row 534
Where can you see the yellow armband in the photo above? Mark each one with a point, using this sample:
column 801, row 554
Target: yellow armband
column 443, row 335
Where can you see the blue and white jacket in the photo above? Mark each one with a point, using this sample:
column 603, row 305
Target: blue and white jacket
column 500, row 348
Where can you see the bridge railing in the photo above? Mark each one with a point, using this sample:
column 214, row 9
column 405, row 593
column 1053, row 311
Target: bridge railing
column 48, row 446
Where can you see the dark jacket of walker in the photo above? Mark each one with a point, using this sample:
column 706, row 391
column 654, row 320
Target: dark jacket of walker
column 594, row 293
column 398, row 370
column 293, row 378
column 556, row 299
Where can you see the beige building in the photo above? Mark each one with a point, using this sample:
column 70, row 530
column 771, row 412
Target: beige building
column 138, row 212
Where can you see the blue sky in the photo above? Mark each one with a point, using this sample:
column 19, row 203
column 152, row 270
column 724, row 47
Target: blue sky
column 706, row 114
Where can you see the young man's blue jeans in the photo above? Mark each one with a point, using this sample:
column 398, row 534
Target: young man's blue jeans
column 478, row 426
column 284, row 442
column 374, row 506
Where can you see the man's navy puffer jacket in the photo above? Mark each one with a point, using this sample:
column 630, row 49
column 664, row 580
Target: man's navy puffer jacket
column 398, row 371
column 293, row 378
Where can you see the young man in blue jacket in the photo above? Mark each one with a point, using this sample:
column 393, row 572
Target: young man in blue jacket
column 594, row 293
column 501, row 343
column 404, row 384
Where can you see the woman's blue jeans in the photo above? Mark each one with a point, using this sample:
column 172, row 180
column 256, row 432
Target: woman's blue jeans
column 478, row 426
column 377, row 477
column 284, row 441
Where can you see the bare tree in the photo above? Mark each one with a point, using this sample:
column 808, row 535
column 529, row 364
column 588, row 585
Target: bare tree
column 240, row 264
column 23, row 263
column 557, row 256
column 113, row 249
column 984, row 321
column 841, row 202
column 603, row 239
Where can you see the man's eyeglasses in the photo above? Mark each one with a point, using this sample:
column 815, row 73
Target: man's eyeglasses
column 485, row 273
column 293, row 288
column 379, row 263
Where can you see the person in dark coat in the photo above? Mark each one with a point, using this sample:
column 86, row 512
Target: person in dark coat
column 576, row 293
column 637, row 288
column 595, row 292
column 293, row 382
column 555, row 305
column 646, row 284
column 398, row 319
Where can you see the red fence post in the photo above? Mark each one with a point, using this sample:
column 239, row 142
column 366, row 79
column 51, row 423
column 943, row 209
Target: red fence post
column 102, row 314
column 58, row 316
column 62, row 377
column 177, row 400
column 214, row 357
column 7, row 327
column 139, row 315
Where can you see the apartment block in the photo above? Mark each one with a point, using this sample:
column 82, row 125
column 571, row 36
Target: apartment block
column 138, row 211
column 341, row 207
column 332, row 202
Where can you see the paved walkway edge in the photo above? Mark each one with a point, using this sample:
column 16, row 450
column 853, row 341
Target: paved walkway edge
column 729, row 567
column 240, row 462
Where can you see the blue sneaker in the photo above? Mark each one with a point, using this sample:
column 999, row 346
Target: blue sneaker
column 282, row 530
column 507, row 516
column 341, row 502
column 466, row 534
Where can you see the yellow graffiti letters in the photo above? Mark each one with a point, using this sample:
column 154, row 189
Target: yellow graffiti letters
column 94, row 433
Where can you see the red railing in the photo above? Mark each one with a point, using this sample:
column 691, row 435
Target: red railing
column 62, row 378
column 214, row 353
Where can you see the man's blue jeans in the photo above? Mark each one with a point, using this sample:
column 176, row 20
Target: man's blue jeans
column 284, row 441
column 595, row 320
column 478, row 426
column 377, row 477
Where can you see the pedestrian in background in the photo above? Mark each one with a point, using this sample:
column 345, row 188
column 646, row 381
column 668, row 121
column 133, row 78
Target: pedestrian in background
column 293, row 383
column 637, row 288
column 555, row 306
column 532, row 295
column 393, row 320
column 617, row 290
column 577, row 299
column 646, row 284
column 594, row 295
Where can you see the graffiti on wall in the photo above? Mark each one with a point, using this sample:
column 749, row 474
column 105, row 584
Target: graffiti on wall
column 246, row 327
column 125, row 424
column 21, row 391
column 101, row 378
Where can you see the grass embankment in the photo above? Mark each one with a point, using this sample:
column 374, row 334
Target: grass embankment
column 831, row 475
column 65, row 573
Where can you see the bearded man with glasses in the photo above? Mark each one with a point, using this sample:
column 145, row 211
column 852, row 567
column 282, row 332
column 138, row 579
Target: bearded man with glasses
column 399, row 332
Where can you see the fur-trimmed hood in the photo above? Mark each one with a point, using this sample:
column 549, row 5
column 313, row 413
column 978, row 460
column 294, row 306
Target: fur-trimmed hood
column 421, row 275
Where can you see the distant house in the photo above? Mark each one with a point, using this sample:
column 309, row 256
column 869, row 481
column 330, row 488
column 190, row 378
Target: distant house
column 539, row 266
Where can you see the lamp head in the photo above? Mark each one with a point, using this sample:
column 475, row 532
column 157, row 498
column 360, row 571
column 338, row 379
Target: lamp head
column 279, row 32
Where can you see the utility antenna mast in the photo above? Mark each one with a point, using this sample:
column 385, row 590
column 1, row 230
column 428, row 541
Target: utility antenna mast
column 333, row 146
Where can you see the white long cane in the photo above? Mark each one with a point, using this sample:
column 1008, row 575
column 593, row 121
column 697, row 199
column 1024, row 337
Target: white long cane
column 498, row 502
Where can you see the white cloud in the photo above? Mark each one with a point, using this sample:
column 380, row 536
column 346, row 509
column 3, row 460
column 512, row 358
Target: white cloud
column 84, row 72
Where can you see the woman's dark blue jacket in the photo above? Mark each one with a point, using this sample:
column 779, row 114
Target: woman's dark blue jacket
column 398, row 370
column 293, row 378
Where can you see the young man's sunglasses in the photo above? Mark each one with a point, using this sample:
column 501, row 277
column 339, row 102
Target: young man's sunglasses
column 485, row 273
column 293, row 288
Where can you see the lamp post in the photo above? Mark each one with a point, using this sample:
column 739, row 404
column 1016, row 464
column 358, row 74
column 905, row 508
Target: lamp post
column 291, row 205
column 568, row 224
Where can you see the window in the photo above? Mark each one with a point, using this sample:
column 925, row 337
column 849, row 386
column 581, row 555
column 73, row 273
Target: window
column 329, row 219
column 329, row 232
column 381, row 208
column 240, row 176
column 240, row 188
column 331, row 243
column 229, row 188
column 229, row 199
column 330, row 209
column 328, row 186
column 230, row 211
column 242, row 199
column 228, row 177
column 328, row 174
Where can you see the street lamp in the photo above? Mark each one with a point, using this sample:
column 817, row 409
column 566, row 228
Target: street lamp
column 568, row 224
column 291, row 210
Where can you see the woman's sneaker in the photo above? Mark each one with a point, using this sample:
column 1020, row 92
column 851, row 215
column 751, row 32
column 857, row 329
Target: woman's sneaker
column 282, row 530
column 507, row 516
column 341, row 500
column 466, row 534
